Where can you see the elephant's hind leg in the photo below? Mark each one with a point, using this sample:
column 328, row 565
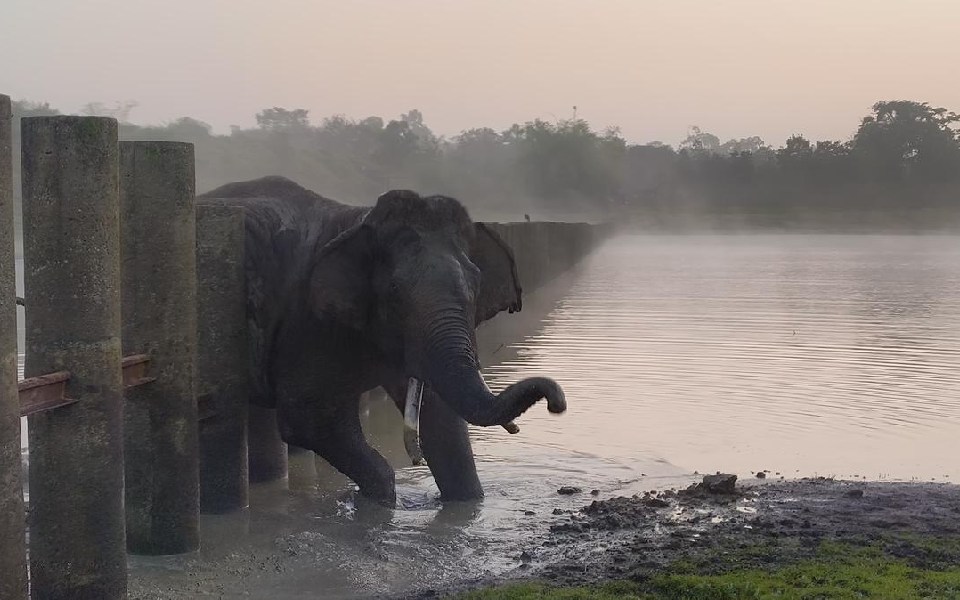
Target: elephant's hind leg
column 335, row 434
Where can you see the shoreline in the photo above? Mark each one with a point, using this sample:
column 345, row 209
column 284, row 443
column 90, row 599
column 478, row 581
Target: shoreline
column 757, row 526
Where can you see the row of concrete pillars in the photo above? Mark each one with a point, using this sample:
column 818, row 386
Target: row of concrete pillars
column 114, row 248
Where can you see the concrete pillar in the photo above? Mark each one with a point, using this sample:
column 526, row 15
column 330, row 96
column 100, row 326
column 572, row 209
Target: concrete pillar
column 301, row 468
column 268, row 452
column 222, row 359
column 72, row 283
column 13, row 553
column 158, row 266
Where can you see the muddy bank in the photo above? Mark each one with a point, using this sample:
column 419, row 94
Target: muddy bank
column 758, row 523
column 331, row 544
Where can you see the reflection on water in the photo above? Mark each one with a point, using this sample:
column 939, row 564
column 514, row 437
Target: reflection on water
column 805, row 355
column 810, row 354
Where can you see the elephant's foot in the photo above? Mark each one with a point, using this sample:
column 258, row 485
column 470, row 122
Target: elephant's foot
column 364, row 465
column 352, row 456
column 381, row 492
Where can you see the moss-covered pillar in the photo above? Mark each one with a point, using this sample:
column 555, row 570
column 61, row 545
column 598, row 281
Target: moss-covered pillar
column 72, row 284
column 222, row 361
column 268, row 452
column 158, row 230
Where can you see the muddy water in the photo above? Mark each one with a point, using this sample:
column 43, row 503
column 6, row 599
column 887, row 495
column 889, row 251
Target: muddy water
column 804, row 355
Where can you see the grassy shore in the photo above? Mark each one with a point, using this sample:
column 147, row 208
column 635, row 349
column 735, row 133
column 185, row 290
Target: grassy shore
column 896, row 568
column 811, row 539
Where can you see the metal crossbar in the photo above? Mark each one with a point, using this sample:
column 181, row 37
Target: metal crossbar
column 46, row 392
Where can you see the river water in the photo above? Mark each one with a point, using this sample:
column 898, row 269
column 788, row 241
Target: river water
column 800, row 354
column 826, row 355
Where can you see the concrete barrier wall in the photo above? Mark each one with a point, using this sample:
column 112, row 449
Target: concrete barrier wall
column 544, row 250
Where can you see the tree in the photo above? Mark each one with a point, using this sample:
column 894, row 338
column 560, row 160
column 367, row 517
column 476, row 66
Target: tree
column 397, row 143
column 482, row 147
column 698, row 141
column 795, row 157
column 830, row 161
column 903, row 138
column 568, row 158
column 26, row 108
column 649, row 170
column 414, row 121
column 188, row 130
column 752, row 145
column 279, row 119
column 796, row 149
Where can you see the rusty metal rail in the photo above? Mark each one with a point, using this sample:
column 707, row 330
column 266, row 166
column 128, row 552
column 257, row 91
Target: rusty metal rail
column 46, row 392
column 135, row 370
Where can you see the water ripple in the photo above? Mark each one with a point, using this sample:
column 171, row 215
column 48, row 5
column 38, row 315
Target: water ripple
column 823, row 354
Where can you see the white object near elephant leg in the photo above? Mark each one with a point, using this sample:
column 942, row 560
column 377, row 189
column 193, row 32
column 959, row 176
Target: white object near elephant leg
column 411, row 420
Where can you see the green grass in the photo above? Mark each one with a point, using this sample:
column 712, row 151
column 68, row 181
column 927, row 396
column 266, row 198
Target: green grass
column 532, row 591
column 838, row 571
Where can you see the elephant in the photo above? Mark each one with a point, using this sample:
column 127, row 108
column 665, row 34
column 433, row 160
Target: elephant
column 343, row 299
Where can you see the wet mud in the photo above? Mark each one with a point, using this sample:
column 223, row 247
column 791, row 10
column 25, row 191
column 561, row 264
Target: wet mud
column 711, row 528
column 425, row 550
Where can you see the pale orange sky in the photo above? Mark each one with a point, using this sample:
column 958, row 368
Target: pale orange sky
column 653, row 67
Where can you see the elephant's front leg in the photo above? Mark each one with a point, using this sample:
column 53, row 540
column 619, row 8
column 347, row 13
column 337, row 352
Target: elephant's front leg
column 445, row 442
column 332, row 429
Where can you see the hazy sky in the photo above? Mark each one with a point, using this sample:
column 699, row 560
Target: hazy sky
column 653, row 67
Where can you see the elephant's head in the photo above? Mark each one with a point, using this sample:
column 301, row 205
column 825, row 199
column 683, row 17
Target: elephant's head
column 415, row 277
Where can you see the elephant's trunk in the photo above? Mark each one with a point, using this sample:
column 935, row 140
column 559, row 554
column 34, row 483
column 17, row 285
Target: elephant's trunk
column 452, row 371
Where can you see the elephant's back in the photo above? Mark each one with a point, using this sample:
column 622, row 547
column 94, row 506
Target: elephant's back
column 276, row 204
column 284, row 221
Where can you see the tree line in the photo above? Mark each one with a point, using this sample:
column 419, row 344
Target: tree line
column 564, row 165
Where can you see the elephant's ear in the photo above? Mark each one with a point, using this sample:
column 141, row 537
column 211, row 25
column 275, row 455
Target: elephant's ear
column 340, row 282
column 499, row 286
